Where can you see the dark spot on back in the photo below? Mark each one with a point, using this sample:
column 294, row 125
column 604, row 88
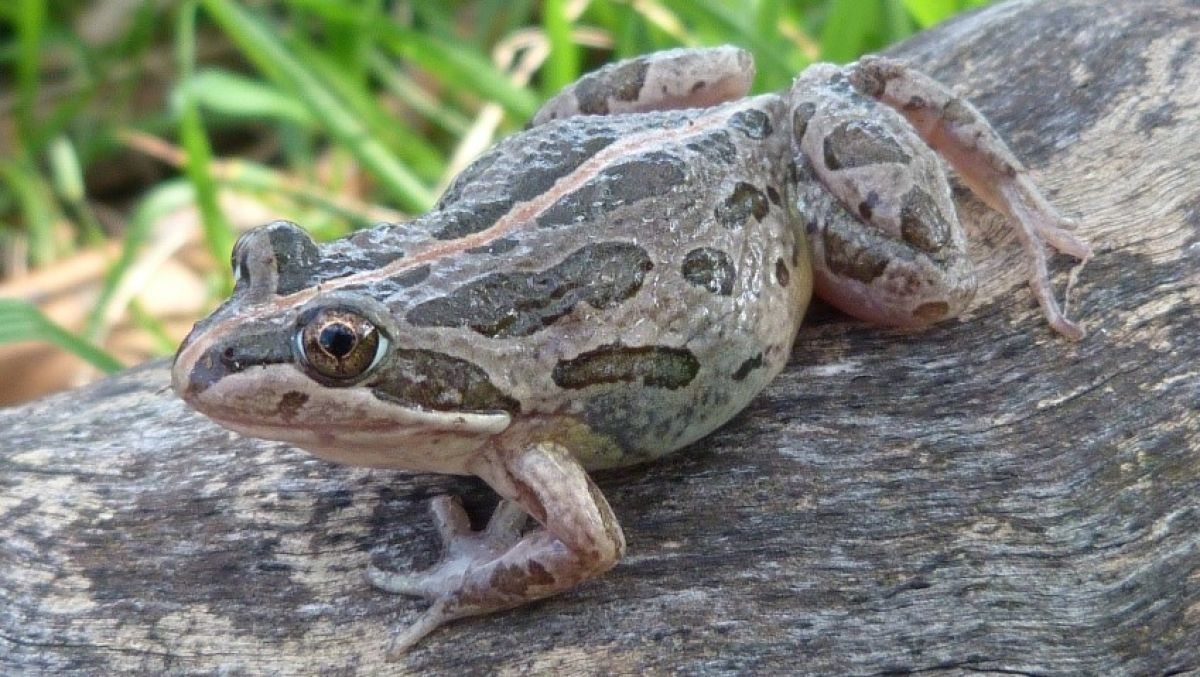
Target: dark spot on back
column 501, row 305
column 387, row 286
column 914, row 103
column 839, row 81
column 748, row 366
column 698, row 85
column 348, row 261
column 711, row 269
column 639, row 178
column 542, row 159
column 510, row 579
column 745, row 201
column 921, row 222
column 551, row 160
column 782, row 276
column 499, row 246
column 801, row 115
column 470, row 218
column 622, row 82
column 411, row 278
column 855, row 260
column 752, row 122
column 653, row 366
column 433, row 380
column 856, row 143
column 471, row 176
column 714, row 146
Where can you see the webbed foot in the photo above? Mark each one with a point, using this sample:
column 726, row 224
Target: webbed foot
column 463, row 549
column 499, row 567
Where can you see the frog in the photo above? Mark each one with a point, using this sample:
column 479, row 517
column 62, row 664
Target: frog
column 607, row 286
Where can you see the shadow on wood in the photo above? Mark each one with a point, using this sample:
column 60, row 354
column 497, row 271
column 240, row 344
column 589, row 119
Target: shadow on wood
column 980, row 496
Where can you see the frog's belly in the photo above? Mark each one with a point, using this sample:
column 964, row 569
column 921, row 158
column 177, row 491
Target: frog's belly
column 676, row 399
column 637, row 426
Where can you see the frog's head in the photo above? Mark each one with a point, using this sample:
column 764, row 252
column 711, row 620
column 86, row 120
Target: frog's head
column 291, row 357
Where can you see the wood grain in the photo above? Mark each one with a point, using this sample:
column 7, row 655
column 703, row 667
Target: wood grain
column 981, row 497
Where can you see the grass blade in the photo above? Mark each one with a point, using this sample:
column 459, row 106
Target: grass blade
column 162, row 200
column 928, row 12
column 218, row 232
column 21, row 321
column 461, row 67
column 848, row 28
column 31, row 25
column 562, row 66
column 238, row 96
column 264, row 49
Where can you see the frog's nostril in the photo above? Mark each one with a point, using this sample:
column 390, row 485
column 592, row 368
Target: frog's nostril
column 191, row 378
column 241, row 353
column 235, row 357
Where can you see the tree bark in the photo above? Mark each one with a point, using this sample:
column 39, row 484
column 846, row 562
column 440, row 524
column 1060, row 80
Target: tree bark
column 981, row 496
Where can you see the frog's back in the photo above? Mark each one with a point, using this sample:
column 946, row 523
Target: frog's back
column 635, row 273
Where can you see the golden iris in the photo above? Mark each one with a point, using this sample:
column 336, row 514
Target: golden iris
column 339, row 344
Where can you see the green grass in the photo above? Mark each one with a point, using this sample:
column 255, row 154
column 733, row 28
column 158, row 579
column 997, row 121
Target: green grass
column 387, row 97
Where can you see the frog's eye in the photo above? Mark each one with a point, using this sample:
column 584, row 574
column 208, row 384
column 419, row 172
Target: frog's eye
column 338, row 345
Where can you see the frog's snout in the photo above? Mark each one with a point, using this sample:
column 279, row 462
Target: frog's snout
column 202, row 361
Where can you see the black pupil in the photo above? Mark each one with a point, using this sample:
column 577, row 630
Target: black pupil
column 338, row 340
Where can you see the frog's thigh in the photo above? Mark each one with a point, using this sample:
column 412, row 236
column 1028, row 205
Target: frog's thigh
column 670, row 80
column 887, row 243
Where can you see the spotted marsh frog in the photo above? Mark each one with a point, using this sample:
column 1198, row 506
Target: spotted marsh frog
column 608, row 286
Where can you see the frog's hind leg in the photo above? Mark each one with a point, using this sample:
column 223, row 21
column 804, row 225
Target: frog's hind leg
column 669, row 80
column 960, row 134
column 887, row 244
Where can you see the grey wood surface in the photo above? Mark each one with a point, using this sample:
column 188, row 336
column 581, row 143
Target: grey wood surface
column 980, row 497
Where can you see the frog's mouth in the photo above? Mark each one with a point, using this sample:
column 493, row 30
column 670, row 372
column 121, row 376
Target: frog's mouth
column 276, row 401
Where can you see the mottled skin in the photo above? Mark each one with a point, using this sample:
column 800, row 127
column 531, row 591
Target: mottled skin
column 602, row 289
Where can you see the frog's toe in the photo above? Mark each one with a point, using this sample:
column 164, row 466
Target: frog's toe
column 1040, row 220
column 1057, row 232
column 415, row 584
column 406, row 637
column 450, row 519
column 504, row 527
column 462, row 549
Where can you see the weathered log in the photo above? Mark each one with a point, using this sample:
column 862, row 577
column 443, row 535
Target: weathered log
column 982, row 496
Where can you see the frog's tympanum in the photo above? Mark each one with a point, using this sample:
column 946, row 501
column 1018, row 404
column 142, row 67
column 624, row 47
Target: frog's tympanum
column 603, row 288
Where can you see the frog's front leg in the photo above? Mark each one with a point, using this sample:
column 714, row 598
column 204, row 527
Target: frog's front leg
column 499, row 568
column 668, row 80
column 960, row 134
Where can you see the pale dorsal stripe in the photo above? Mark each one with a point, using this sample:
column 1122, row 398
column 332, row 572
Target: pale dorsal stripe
column 523, row 212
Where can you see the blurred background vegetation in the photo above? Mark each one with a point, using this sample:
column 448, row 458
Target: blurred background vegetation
column 139, row 137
